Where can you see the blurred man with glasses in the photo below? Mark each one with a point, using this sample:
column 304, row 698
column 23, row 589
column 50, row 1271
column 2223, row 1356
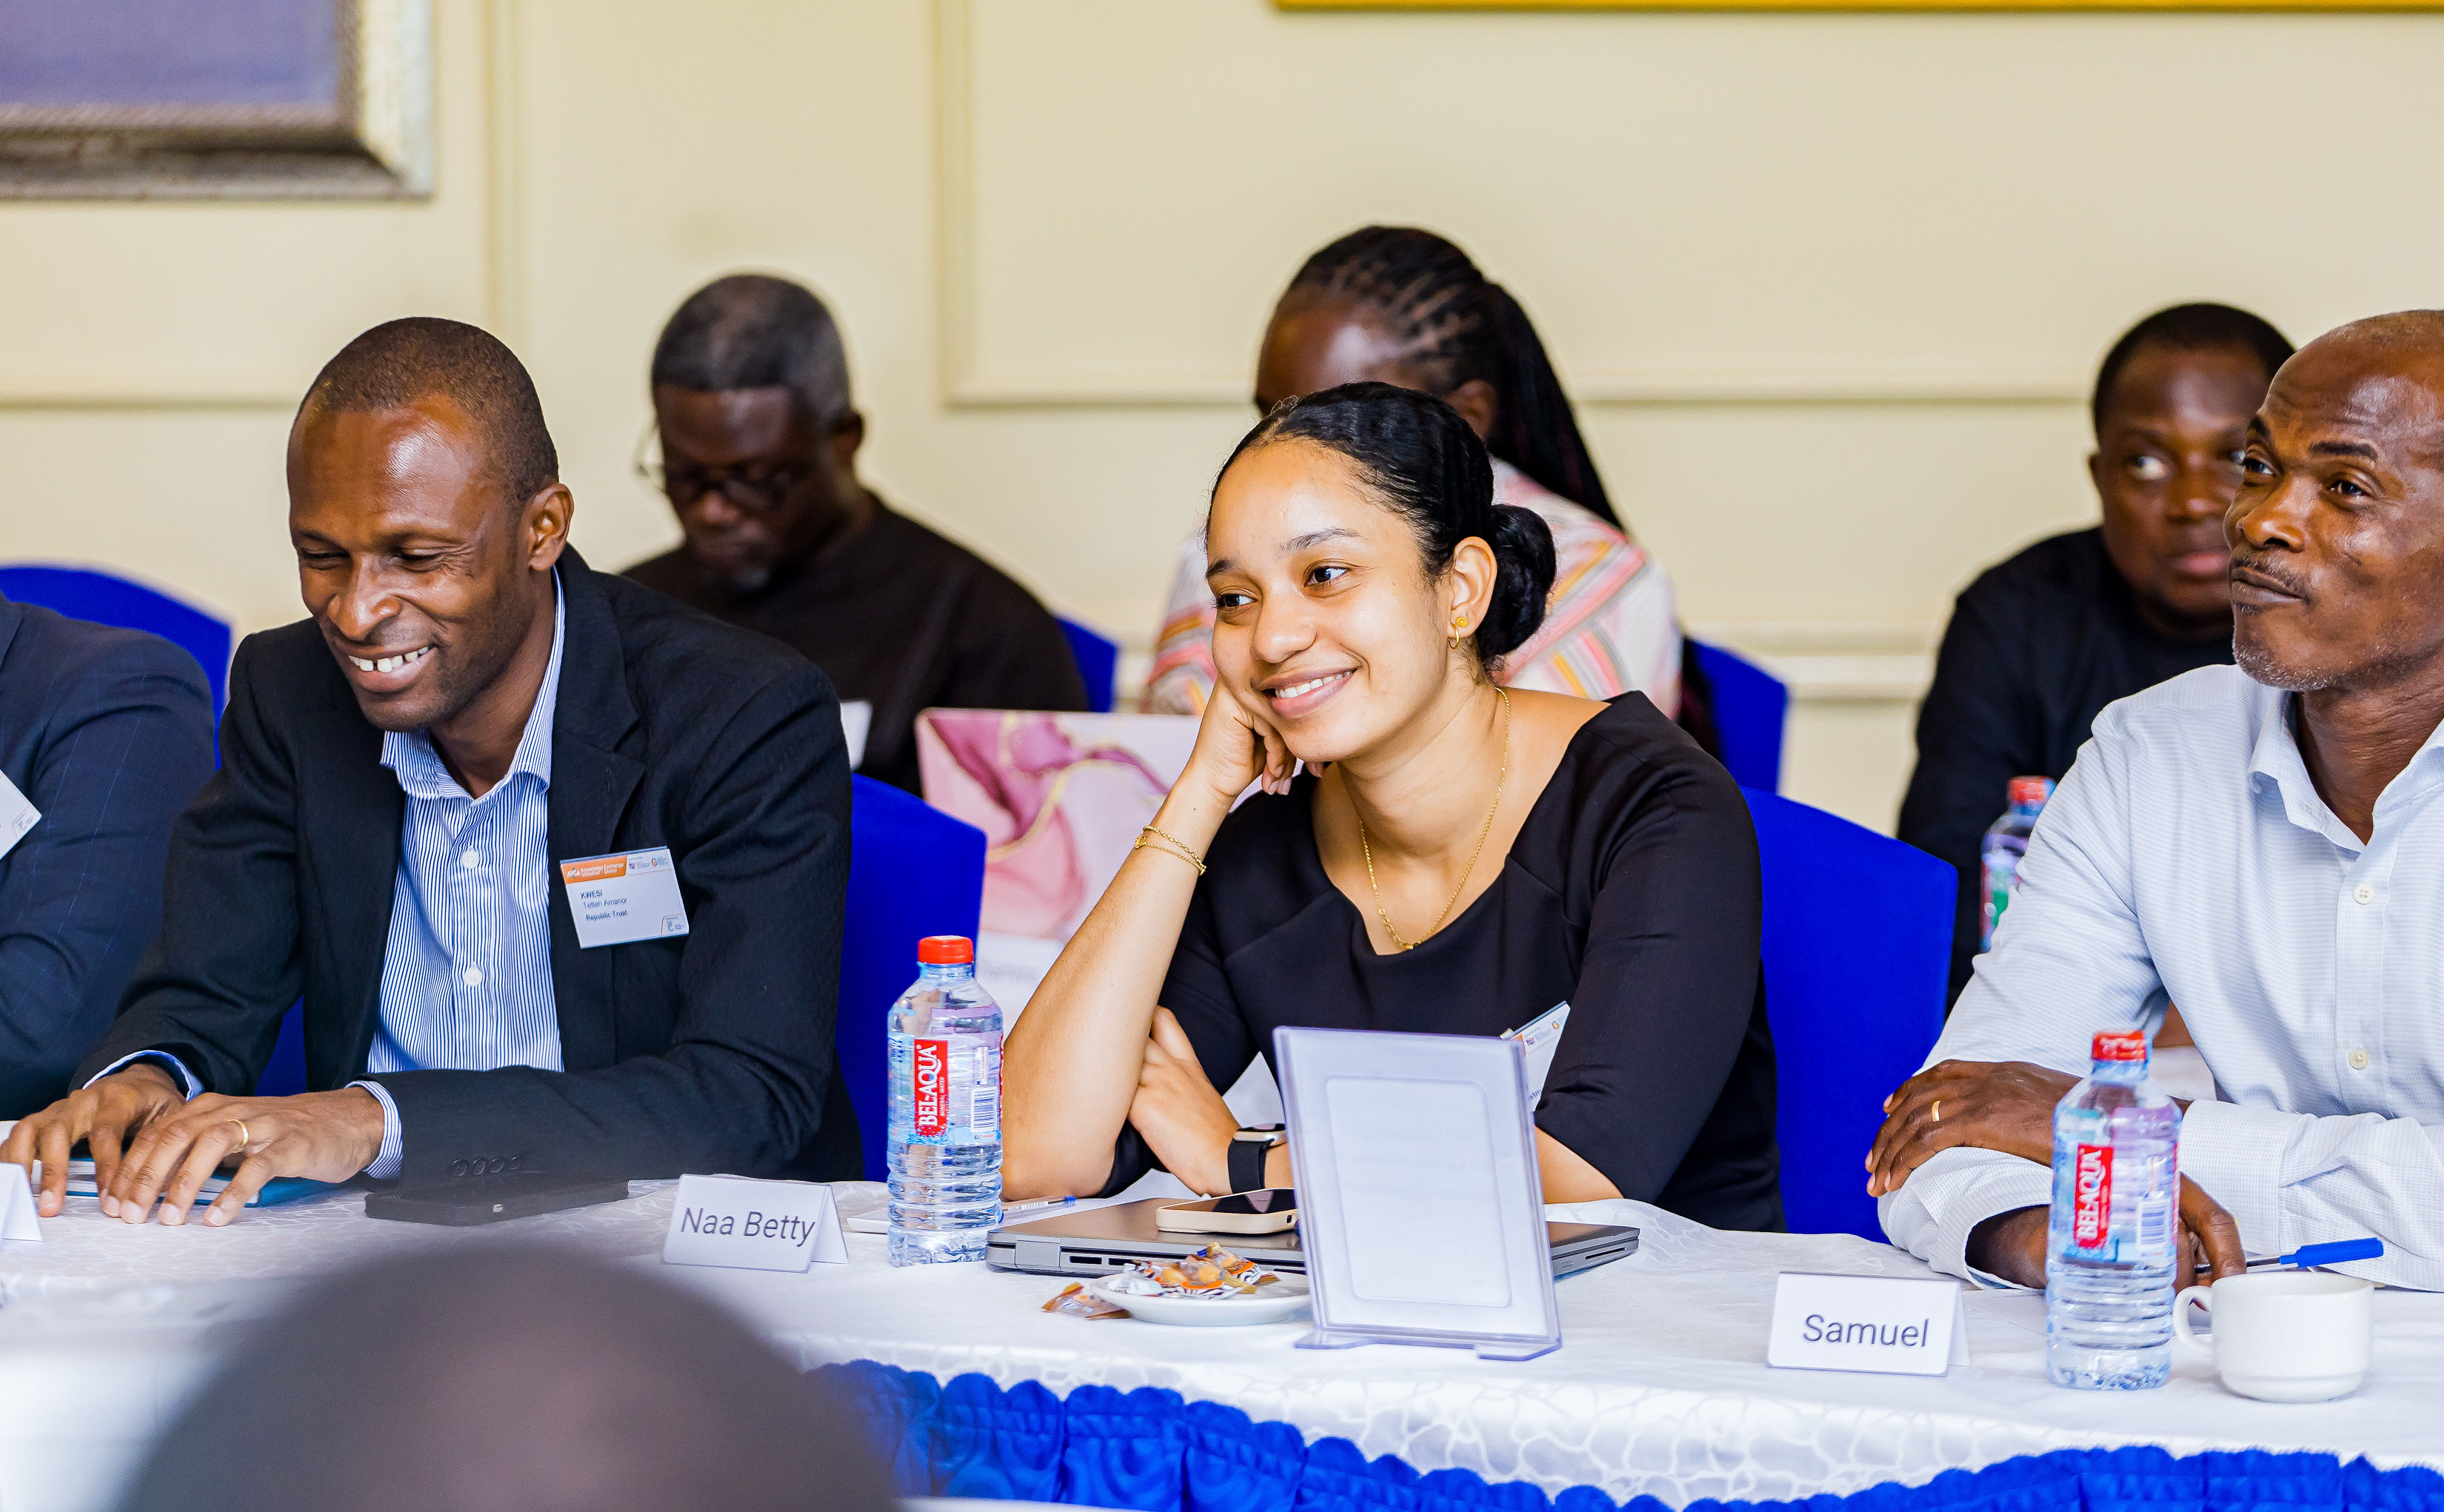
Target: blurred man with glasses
column 757, row 444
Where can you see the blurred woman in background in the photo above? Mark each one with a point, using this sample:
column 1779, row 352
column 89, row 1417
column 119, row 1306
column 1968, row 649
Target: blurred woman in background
column 1397, row 306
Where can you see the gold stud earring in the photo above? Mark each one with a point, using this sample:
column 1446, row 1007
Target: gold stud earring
column 1459, row 627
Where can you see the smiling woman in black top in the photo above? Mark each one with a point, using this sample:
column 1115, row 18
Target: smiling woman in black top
column 1455, row 859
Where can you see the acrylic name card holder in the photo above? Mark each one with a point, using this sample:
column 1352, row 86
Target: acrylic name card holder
column 1420, row 1210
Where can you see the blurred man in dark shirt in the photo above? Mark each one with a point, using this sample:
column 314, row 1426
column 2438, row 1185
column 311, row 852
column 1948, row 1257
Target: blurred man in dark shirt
column 759, row 458
column 2039, row 644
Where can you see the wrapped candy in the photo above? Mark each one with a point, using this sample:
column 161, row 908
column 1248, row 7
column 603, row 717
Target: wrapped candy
column 1075, row 1300
column 1212, row 1271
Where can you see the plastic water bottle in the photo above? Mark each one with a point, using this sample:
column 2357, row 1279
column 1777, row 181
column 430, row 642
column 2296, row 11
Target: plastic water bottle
column 2114, row 1231
column 945, row 1138
column 2004, row 844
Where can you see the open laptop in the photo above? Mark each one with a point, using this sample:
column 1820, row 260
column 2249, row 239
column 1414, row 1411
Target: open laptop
column 1101, row 1240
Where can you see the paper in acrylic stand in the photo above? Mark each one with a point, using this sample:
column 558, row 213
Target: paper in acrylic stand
column 1890, row 1325
column 1421, row 1208
column 17, row 1216
column 750, row 1225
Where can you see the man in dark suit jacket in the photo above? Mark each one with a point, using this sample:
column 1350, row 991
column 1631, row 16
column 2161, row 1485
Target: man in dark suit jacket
column 106, row 733
column 531, row 712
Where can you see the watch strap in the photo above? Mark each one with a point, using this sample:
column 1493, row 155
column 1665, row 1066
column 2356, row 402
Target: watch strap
column 1247, row 1168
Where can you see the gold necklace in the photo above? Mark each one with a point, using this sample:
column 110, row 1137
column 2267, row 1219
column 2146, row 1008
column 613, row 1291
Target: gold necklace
column 1368, row 851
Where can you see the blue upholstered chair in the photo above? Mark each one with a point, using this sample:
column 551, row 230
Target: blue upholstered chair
column 1858, row 944
column 1751, row 705
column 913, row 871
column 105, row 599
column 1099, row 666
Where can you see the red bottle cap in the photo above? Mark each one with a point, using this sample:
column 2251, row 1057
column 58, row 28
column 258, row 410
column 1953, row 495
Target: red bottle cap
column 946, row 949
column 2032, row 790
column 2121, row 1045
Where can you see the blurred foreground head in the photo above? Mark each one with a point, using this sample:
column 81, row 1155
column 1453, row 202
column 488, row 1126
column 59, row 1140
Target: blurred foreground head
column 530, row 1379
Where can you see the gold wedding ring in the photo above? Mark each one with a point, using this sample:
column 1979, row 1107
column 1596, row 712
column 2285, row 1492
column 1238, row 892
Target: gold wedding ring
column 1939, row 1112
column 243, row 1141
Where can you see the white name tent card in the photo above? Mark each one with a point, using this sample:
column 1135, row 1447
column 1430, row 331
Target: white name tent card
column 1420, row 1208
column 17, row 1217
column 750, row 1225
column 634, row 896
column 17, row 814
column 1893, row 1325
column 857, row 719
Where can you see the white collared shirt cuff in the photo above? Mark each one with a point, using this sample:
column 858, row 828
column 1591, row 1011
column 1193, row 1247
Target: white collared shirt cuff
column 186, row 1077
column 394, row 1147
column 1943, row 1202
column 2236, row 1156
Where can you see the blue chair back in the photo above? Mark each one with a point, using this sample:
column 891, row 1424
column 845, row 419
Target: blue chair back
column 284, row 1074
column 1098, row 667
column 1751, row 705
column 913, row 871
column 81, row 594
column 1858, row 947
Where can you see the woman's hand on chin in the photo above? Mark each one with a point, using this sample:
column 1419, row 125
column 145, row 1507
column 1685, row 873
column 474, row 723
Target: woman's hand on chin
column 1183, row 1120
column 1237, row 744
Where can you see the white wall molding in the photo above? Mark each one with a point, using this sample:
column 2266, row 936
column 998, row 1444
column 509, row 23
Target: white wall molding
column 970, row 382
column 242, row 397
column 505, row 246
column 1833, row 661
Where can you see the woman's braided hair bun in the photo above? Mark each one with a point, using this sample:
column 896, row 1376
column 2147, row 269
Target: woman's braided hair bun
column 1429, row 469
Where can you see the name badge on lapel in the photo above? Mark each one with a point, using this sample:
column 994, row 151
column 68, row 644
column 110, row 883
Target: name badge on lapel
column 17, row 814
column 634, row 896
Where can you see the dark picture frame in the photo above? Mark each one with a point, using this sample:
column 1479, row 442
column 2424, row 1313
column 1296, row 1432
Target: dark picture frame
column 215, row 99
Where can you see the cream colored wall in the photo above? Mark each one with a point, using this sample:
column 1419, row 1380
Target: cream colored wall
column 1827, row 288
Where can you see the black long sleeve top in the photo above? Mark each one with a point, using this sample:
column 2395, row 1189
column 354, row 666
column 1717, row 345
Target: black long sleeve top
column 1632, row 891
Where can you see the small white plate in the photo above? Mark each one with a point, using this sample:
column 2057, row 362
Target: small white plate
column 1269, row 1306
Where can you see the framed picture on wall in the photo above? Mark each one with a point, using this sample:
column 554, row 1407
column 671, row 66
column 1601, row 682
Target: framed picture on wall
column 215, row 99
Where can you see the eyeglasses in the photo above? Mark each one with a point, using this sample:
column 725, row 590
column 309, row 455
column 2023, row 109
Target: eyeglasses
column 758, row 492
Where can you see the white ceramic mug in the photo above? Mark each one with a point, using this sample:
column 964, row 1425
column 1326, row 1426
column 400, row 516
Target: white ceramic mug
column 2285, row 1336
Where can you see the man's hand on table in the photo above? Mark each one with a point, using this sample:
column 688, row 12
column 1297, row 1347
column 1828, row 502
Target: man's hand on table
column 2006, row 1105
column 101, row 1116
column 148, row 1140
column 2013, row 1244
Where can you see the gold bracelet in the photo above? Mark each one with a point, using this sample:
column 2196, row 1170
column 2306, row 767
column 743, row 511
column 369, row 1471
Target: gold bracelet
column 1172, row 846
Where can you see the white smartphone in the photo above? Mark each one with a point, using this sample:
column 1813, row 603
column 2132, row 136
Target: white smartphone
column 1267, row 1212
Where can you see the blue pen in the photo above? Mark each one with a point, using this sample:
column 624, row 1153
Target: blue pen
column 2308, row 1257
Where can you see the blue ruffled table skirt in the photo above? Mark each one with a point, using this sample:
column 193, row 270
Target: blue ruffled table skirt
column 1151, row 1450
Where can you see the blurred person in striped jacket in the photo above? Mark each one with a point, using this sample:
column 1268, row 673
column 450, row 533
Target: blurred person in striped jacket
column 1406, row 306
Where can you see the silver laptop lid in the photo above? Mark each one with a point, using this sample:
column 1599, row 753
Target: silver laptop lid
column 1098, row 1241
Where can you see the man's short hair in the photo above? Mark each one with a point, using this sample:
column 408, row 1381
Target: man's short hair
column 2190, row 328
column 399, row 362
column 752, row 331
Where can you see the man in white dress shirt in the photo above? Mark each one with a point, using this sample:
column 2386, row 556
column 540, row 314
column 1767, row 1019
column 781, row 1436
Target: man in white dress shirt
column 2263, row 844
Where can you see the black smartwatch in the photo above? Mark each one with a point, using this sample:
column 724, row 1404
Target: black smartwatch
column 1249, row 1147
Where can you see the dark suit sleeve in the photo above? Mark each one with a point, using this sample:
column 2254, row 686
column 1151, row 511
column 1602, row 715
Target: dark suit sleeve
column 762, row 846
column 1011, row 655
column 1977, row 731
column 225, row 966
column 1666, row 987
column 128, row 740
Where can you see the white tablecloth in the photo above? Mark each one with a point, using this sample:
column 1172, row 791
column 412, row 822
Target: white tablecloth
column 1658, row 1387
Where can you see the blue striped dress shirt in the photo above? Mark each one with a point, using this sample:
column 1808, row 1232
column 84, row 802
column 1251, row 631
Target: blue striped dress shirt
column 466, row 980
